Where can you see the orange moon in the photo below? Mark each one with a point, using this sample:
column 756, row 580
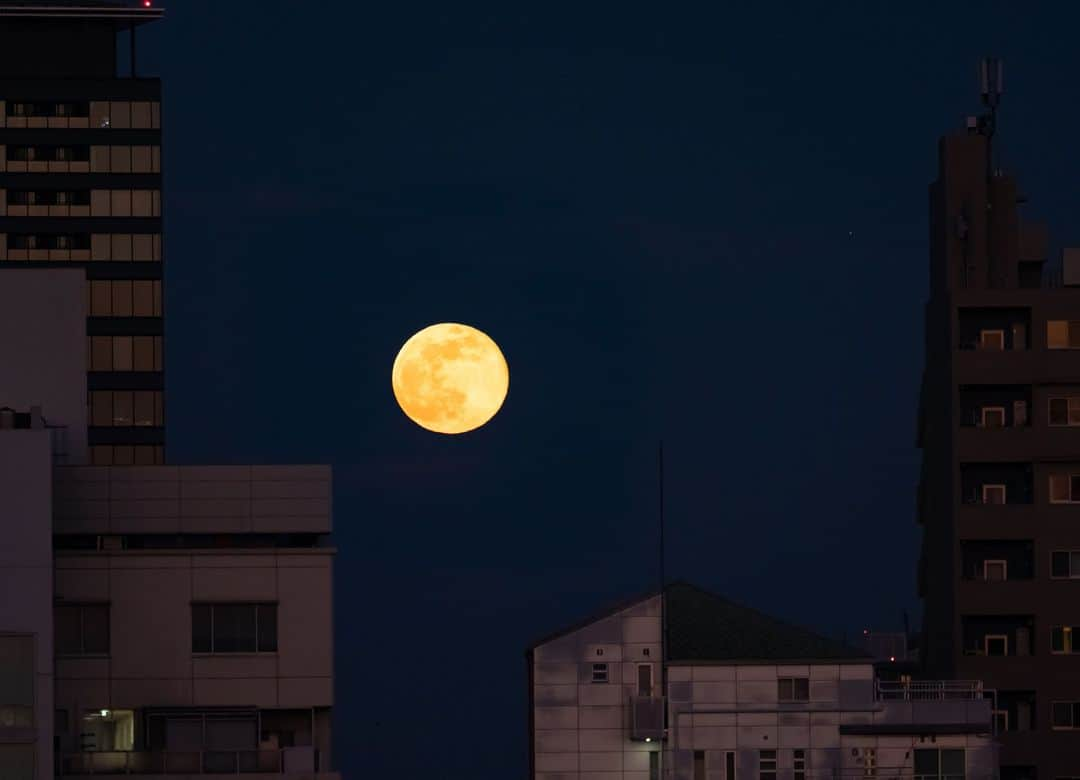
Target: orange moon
column 450, row 378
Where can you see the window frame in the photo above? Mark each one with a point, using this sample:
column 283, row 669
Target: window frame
column 994, row 486
column 1074, row 715
column 255, row 606
column 81, row 606
column 982, row 417
column 1068, row 565
column 792, row 684
column 1004, row 569
column 1068, row 640
column 1069, row 477
column 767, row 756
column 1004, row 638
column 601, row 673
column 1070, row 407
column 984, row 332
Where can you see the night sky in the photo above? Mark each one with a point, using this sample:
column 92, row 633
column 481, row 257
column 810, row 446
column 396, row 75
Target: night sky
column 707, row 226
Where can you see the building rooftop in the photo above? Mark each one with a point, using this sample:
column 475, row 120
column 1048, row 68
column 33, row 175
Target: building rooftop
column 129, row 11
column 703, row 626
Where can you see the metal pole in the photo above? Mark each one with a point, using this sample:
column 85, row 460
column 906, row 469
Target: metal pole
column 663, row 612
column 133, row 72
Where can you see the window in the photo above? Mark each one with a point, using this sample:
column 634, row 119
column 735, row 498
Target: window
column 793, row 688
column 995, row 571
column 654, row 765
column 940, row 764
column 729, row 765
column 1065, row 564
column 1064, row 488
column 81, row 629
column 1001, row 721
column 126, row 408
column 996, row 644
column 1065, row 715
column 767, row 765
column 992, row 340
column 1065, row 411
column 16, row 682
column 125, row 353
column 798, row 763
column 1062, row 639
column 993, row 494
column 18, row 762
column 869, row 762
column 599, row 673
column 234, row 628
column 1063, row 334
column 993, row 417
column 644, row 680
column 699, row 765
column 124, row 298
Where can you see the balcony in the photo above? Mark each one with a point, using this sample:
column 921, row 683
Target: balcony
column 930, row 690
column 209, row 763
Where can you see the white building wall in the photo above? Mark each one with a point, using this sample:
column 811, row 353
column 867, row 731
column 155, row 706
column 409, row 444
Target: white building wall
column 151, row 664
column 26, row 592
column 43, row 351
column 582, row 729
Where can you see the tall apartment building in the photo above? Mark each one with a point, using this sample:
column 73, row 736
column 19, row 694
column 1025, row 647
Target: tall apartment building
column 80, row 185
column 999, row 573
column 694, row 687
column 155, row 620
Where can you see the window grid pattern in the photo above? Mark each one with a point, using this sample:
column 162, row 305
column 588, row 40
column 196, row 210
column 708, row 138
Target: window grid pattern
column 127, row 455
column 123, row 297
column 234, row 628
column 126, row 409
column 124, row 353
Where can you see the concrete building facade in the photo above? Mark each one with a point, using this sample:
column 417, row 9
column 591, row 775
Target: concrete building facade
column 999, row 573
column 694, row 687
column 80, row 187
column 155, row 620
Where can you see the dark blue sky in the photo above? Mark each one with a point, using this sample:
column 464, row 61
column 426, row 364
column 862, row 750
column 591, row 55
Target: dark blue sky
column 706, row 225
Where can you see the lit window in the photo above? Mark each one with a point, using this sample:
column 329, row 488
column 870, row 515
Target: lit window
column 1062, row 639
column 992, row 340
column 993, row 494
column 1064, row 488
column 1063, row 334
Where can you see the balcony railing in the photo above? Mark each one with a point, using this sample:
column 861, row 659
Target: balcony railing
column 930, row 690
column 170, row 762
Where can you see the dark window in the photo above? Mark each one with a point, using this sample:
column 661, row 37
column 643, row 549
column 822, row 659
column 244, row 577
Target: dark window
column 233, row 628
column 644, row 677
column 699, row 765
column 1065, row 564
column 793, row 689
column 654, row 765
column 935, row 764
column 799, row 764
column 599, row 673
column 81, row 629
column 1065, row 715
column 767, row 764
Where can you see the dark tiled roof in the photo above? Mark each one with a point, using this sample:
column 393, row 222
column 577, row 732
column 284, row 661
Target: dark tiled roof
column 705, row 627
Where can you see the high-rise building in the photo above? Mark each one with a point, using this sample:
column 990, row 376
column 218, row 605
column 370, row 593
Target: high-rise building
column 999, row 573
column 80, row 185
column 155, row 620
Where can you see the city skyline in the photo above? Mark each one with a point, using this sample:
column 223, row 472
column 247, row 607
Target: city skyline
column 708, row 230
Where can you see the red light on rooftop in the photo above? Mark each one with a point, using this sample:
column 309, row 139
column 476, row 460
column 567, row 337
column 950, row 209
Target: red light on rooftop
column 147, row 3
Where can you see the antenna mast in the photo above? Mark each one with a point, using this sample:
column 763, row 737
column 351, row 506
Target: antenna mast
column 990, row 72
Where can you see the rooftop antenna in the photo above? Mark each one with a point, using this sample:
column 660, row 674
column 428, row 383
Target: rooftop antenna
column 990, row 72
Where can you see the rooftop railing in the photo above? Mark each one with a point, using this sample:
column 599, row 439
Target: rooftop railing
column 930, row 690
column 171, row 762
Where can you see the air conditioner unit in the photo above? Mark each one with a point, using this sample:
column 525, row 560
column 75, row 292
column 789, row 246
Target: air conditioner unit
column 296, row 760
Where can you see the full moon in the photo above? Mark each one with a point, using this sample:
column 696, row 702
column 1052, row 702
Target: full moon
column 450, row 378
